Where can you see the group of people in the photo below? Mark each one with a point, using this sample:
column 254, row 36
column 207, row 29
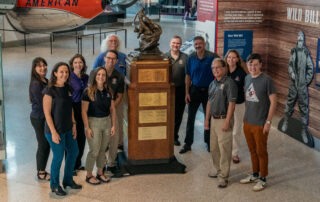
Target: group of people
column 233, row 102
column 72, row 107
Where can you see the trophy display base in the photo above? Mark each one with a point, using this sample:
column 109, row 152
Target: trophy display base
column 295, row 130
column 127, row 169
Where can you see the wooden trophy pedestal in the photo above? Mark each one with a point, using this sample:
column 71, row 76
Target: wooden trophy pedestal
column 151, row 96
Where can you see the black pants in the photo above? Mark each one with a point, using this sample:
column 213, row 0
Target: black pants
column 198, row 96
column 179, row 109
column 81, row 138
column 43, row 150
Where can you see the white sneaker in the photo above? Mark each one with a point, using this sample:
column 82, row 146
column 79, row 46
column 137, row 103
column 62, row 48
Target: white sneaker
column 259, row 186
column 249, row 179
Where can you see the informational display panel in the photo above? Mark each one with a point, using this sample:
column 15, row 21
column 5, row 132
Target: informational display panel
column 240, row 40
column 206, row 22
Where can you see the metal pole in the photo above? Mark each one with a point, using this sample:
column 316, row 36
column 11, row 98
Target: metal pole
column 92, row 44
column 78, row 43
column 100, row 33
column 25, row 42
column 51, row 39
column 125, row 38
column 81, row 46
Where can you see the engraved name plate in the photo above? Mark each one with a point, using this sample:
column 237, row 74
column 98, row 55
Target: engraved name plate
column 152, row 99
column 152, row 133
column 153, row 116
column 152, row 75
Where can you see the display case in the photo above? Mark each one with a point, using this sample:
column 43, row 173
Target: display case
column 2, row 117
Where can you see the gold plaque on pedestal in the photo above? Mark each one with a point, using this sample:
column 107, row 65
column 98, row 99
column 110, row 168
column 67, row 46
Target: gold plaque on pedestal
column 152, row 133
column 152, row 99
column 152, row 75
column 153, row 116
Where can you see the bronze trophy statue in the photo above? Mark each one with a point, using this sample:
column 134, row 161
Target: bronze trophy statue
column 149, row 134
column 149, row 32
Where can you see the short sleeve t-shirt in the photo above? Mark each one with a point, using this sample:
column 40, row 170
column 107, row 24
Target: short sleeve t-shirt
column 116, row 83
column 100, row 107
column 238, row 76
column 257, row 92
column 179, row 68
column 220, row 93
column 61, row 109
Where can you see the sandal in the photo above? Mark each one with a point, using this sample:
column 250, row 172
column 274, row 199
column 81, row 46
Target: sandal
column 44, row 174
column 102, row 180
column 93, row 183
column 236, row 159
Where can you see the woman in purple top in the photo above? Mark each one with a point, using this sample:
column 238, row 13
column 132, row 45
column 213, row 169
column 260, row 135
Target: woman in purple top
column 78, row 81
column 37, row 83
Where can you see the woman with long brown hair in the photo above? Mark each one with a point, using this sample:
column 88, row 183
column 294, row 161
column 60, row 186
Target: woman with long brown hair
column 238, row 74
column 38, row 82
column 99, row 116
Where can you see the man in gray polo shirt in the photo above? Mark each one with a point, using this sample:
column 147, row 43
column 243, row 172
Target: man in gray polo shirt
column 222, row 98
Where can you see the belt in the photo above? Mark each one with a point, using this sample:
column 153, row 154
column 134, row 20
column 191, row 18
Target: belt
column 219, row 117
column 201, row 88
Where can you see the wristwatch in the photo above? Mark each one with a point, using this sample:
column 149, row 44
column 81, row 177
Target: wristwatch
column 268, row 122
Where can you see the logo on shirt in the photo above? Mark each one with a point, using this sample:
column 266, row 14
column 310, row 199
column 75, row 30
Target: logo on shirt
column 180, row 62
column 114, row 81
column 237, row 78
column 108, row 95
column 251, row 94
column 221, row 86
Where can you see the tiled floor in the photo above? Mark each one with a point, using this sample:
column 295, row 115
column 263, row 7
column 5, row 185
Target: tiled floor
column 294, row 168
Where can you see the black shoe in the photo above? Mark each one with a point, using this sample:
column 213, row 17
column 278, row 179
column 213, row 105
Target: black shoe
column 74, row 173
column 185, row 149
column 112, row 169
column 120, row 147
column 80, row 168
column 208, row 147
column 223, row 184
column 72, row 185
column 177, row 143
column 59, row 191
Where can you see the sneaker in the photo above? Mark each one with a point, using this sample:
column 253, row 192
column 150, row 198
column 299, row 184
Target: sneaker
column 259, row 186
column 249, row 179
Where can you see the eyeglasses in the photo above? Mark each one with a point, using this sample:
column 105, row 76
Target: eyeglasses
column 113, row 59
column 216, row 67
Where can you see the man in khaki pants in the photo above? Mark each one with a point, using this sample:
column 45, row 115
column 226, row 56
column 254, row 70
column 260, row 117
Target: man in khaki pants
column 220, row 108
column 116, row 83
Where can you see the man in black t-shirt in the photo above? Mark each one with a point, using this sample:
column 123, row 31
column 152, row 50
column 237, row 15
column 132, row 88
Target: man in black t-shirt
column 116, row 84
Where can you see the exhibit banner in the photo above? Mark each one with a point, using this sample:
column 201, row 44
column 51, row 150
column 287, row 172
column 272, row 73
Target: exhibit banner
column 240, row 40
column 206, row 22
column 317, row 75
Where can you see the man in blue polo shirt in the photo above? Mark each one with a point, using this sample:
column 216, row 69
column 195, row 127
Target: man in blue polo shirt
column 198, row 78
column 112, row 42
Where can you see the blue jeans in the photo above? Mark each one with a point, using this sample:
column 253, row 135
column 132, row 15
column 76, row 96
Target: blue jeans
column 70, row 145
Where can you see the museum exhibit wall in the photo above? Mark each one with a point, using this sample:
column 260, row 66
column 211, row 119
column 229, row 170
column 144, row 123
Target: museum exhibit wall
column 274, row 35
